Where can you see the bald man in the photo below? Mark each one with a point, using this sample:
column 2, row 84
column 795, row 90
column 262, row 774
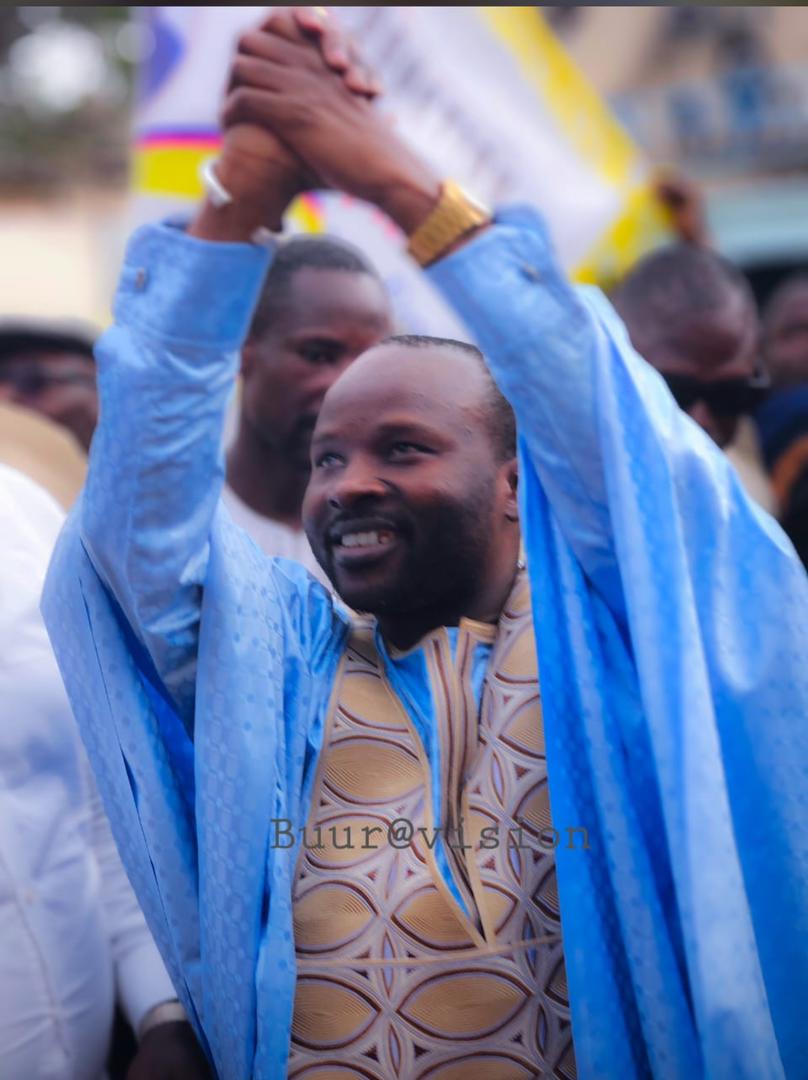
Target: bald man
column 692, row 315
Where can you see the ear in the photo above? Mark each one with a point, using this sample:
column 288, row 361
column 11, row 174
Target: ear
column 510, row 474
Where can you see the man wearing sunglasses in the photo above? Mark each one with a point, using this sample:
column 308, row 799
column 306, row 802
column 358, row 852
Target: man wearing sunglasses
column 48, row 367
column 692, row 316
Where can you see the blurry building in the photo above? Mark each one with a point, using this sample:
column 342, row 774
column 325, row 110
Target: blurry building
column 65, row 100
column 722, row 94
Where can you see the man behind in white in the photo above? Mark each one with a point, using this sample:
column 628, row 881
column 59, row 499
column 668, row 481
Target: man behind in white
column 72, row 936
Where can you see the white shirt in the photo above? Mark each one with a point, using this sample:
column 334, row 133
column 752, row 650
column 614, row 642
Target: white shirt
column 71, row 932
column 272, row 537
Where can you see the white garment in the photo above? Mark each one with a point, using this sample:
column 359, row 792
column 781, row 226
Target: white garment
column 71, row 931
column 272, row 537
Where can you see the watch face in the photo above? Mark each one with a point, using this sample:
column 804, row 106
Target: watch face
column 470, row 200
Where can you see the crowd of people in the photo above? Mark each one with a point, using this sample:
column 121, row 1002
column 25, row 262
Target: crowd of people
column 413, row 589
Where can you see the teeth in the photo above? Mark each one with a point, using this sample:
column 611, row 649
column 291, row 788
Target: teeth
column 366, row 539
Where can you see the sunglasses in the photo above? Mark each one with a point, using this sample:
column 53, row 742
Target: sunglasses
column 726, row 397
column 31, row 381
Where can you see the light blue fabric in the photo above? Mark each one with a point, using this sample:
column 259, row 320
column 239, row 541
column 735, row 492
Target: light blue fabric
column 671, row 627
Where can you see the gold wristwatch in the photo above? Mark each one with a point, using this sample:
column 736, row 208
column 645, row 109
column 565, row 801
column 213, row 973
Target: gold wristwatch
column 455, row 215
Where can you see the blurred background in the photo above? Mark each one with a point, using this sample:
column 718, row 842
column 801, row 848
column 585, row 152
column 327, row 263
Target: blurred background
column 66, row 90
column 720, row 93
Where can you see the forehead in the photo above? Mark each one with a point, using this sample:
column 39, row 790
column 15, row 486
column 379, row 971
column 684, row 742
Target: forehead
column 435, row 386
column 320, row 298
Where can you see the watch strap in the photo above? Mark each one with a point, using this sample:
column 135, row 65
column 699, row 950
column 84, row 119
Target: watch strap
column 456, row 214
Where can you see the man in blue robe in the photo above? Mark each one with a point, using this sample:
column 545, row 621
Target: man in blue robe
column 669, row 611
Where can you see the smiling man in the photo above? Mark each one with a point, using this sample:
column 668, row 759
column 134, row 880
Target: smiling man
column 231, row 706
column 410, row 513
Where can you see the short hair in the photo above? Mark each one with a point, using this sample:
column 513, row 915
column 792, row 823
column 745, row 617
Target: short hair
column 673, row 283
column 498, row 415
column 301, row 253
column 21, row 338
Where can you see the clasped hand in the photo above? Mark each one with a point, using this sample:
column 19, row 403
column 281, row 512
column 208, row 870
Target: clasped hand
column 298, row 114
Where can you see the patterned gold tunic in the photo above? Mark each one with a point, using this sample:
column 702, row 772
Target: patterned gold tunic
column 404, row 970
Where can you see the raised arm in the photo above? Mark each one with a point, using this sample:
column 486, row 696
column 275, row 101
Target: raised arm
column 598, row 424
column 166, row 372
column 545, row 344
